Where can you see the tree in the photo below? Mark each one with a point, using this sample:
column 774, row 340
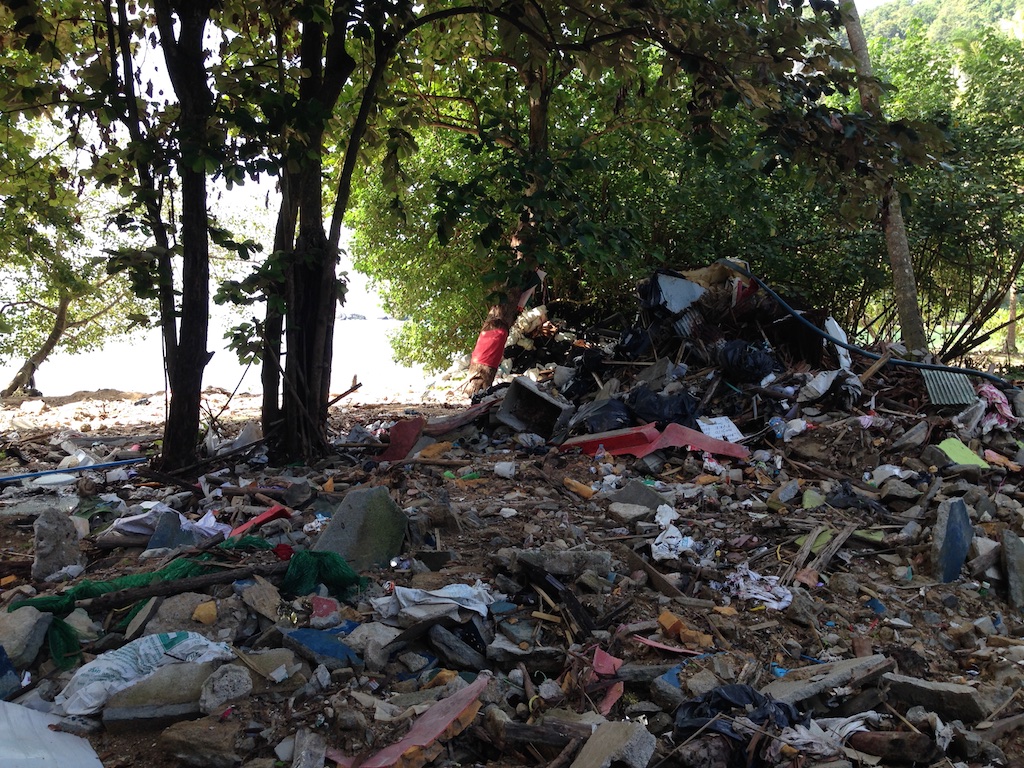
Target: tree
column 904, row 282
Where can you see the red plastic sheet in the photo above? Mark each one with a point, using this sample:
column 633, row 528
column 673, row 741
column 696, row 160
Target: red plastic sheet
column 490, row 347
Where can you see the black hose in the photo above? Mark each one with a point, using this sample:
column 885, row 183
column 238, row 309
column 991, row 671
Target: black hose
column 735, row 267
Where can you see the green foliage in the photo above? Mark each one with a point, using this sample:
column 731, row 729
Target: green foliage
column 943, row 20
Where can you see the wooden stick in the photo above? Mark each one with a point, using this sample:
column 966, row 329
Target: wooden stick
column 163, row 588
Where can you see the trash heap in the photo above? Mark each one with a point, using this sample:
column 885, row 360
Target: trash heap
column 719, row 554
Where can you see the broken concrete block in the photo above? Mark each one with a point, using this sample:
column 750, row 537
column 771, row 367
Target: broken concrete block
column 453, row 651
column 636, row 492
column 367, row 529
column 950, row 701
column 56, row 543
column 207, row 743
column 1013, row 562
column 22, row 632
column 627, row 514
column 951, row 540
column 570, row 562
column 805, row 683
column 169, row 694
column 229, row 683
column 625, row 742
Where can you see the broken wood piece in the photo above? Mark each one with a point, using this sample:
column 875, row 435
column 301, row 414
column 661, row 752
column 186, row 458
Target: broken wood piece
column 164, row 588
column 802, row 555
column 658, row 579
column 878, row 365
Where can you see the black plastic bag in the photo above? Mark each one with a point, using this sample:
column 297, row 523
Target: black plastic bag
column 743, row 362
column 649, row 406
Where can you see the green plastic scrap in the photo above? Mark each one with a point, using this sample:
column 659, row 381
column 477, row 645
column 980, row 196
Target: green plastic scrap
column 245, row 542
column 65, row 649
column 960, row 454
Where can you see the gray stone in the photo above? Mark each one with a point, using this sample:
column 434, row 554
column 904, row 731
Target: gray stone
column 934, row 456
column 805, row 683
column 10, row 680
column 803, row 610
column 666, row 695
column 912, row 438
column 844, row 584
column 414, row 662
column 22, row 632
column 175, row 615
column 951, row 539
column 1013, row 562
column 702, row 682
column 895, row 489
column 453, row 651
column 367, row 529
column 56, row 543
column 636, row 492
column 504, row 651
column 207, row 743
column 950, row 701
column 171, row 693
column 627, row 514
column 625, row 742
column 229, row 683
column 571, row 562
column 310, row 749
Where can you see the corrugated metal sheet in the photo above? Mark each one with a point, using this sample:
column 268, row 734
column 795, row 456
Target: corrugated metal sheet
column 948, row 388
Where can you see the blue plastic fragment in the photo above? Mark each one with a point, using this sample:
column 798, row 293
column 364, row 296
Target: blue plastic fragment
column 876, row 605
column 326, row 645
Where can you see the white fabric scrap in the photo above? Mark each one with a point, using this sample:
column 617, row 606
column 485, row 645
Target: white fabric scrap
column 746, row 584
column 410, row 606
column 671, row 544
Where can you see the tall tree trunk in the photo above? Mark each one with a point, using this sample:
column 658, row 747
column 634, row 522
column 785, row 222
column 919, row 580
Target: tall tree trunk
column 903, row 281
column 30, row 366
column 182, row 25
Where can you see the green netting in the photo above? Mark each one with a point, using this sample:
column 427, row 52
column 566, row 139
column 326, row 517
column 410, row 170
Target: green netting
column 307, row 569
column 63, row 604
column 65, row 650
column 245, row 542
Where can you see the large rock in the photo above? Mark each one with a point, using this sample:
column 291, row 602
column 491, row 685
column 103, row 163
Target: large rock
column 950, row 701
column 617, row 742
column 367, row 529
column 171, row 693
column 22, row 632
column 207, row 743
column 570, row 562
column 56, row 543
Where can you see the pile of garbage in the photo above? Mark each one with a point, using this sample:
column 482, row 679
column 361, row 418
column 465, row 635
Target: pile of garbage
column 697, row 551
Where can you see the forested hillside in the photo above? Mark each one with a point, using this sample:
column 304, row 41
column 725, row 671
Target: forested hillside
column 943, row 19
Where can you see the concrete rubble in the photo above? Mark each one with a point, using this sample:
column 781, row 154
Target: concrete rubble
column 726, row 568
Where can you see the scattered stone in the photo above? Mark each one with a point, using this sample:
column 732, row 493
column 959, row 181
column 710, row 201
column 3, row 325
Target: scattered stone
column 637, row 493
column 1013, row 562
column 22, row 632
column 950, row 701
column 454, row 651
column 627, row 514
column 175, row 614
column 56, row 544
column 623, row 742
column 207, row 743
column 559, row 562
column 229, row 683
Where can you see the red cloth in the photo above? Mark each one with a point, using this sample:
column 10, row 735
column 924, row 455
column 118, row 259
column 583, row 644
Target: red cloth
column 490, row 347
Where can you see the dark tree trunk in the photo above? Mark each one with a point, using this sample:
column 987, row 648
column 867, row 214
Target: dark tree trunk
column 30, row 366
column 182, row 26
